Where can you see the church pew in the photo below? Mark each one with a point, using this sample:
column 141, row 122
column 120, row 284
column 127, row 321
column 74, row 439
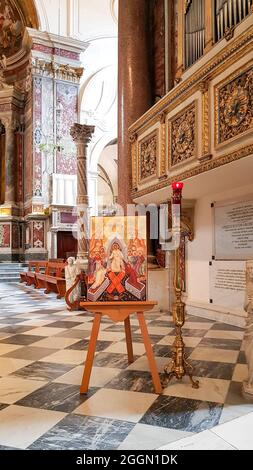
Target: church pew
column 53, row 280
column 29, row 275
column 35, row 267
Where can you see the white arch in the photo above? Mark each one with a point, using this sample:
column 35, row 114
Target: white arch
column 42, row 15
column 98, row 147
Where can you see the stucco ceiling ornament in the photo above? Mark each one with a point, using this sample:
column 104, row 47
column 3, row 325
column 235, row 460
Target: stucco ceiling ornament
column 3, row 67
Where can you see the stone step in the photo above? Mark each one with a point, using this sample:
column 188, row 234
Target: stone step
column 4, row 264
column 10, row 270
column 2, row 275
column 15, row 274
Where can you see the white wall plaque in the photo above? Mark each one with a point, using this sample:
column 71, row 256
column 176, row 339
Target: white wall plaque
column 233, row 231
column 228, row 284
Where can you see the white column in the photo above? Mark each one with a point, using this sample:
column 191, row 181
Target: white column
column 93, row 192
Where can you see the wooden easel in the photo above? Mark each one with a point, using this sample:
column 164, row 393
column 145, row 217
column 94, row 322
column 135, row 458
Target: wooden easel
column 120, row 311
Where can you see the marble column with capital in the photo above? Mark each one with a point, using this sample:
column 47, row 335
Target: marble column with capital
column 134, row 82
column 82, row 134
column 9, row 164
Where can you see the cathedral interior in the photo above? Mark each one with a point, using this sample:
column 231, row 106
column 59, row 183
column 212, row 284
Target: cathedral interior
column 106, row 107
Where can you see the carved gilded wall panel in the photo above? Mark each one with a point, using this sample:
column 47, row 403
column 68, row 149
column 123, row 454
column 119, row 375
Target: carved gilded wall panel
column 191, row 139
column 183, row 136
column 148, row 157
column 234, row 106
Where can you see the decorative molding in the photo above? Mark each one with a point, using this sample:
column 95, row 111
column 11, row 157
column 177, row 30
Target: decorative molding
column 134, row 159
column 233, row 105
column 204, row 88
column 54, row 41
column 197, row 170
column 162, row 156
column 133, row 137
column 229, row 33
column 57, row 71
column 183, row 135
column 148, row 157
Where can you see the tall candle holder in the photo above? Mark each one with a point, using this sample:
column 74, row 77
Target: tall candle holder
column 179, row 366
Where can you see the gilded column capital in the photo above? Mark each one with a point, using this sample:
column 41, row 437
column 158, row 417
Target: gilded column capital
column 82, row 133
column 204, row 85
column 133, row 138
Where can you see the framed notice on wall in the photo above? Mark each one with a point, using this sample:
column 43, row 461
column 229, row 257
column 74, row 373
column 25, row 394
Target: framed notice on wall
column 228, row 285
column 233, row 230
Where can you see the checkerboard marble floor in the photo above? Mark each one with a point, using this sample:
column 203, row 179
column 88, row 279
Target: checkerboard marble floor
column 42, row 350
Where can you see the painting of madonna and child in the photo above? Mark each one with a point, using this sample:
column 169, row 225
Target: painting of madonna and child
column 117, row 269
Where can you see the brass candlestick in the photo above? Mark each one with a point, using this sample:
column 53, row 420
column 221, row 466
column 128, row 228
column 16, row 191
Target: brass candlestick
column 179, row 365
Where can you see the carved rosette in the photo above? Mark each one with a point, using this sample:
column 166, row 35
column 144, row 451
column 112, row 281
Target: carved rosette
column 235, row 107
column 148, row 156
column 183, row 136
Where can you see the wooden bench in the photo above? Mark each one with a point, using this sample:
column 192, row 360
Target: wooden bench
column 34, row 267
column 40, row 267
column 23, row 276
column 53, row 280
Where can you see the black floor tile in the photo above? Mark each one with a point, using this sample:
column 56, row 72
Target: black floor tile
column 23, row 340
column 132, row 380
column 84, row 344
column 57, row 397
column 183, row 414
column 226, row 327
column 214, row 370
column 114, row 360
column 43, row 371
column 77, row 432
column 232, row 344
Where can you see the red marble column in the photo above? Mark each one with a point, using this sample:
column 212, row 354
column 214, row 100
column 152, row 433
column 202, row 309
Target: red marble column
column 81, row 135
column 19, row 136
column 10, row 150
column 134, row 82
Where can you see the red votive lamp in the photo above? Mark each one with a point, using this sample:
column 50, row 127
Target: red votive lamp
column 177, row 192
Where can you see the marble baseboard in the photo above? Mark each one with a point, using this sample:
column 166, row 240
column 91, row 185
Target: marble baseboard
column 212, row 314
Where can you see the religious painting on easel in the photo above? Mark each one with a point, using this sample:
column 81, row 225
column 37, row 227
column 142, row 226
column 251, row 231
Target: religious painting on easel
column 117, row 267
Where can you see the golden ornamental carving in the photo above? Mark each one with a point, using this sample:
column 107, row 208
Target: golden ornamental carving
column 235, row 102
column 229, row 33
column 162, row 117
column 197, row 170
column 204, row 88
column 55, row 70
column 133, row 137
column 183, row 136
column 162, row 158
column 134, row 157
column 148, row 155
column 204, row 85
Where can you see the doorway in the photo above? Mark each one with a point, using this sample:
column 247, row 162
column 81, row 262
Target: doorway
column 66, row 245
